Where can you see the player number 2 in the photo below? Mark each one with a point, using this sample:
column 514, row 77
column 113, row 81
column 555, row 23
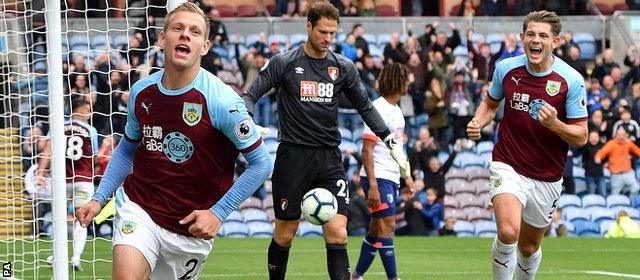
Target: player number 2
column 191, row 265
column 344, row 191
column 74, row 147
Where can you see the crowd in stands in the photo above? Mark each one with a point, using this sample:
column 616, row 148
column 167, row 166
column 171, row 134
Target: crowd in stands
column 451, row 74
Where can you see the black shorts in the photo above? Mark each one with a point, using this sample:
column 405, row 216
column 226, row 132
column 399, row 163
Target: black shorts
column 299, row 169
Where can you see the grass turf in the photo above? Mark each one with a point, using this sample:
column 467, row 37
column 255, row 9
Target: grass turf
column 417, row 257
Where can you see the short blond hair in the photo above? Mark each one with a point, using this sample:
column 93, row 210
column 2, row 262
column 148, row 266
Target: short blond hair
column 187, row 7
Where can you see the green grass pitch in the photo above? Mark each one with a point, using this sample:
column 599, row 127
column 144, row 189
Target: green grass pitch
column 417, row 257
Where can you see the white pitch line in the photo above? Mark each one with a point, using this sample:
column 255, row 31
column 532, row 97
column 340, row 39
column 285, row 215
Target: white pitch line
column 607, row 273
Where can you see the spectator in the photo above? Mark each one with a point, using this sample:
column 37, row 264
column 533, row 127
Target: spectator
column 610, row 88
column 609, row 115
column 568, row 183
column 446, row 45
column 467, row 9
column 287, row 8
column 630, row 125
column 493, row 7
column 573, row 59
column 103, row 156
column 347, row 8
column 482, row 58
column 349, row 48
column 634, row 101
column 361, row 44
column 369, row 74
column 435, row 104
column 218, row 32
column 33, row 143
column 596, row 123
column 633, row 4
column 523, row 7
column 424, row 148
column 358, row 212
column 429, row 35
column 633, row 61
column 80, row 90
column 367, row 9
column 411, row 46
column 435, row 172
column 448, row 228
column 510, row 47
column 618, row 151
column 594, row 95
column 565, row 47
column 146, row 31
column 274, row 48
column 593, row 171
column 424, row 213
column 419, row 73
column 460, row 102
column 604, row 63
column 624, row 227
column 394, row 50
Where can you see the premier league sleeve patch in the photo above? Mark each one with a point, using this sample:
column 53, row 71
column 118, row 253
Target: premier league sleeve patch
column 534, row 108
column 243, row 129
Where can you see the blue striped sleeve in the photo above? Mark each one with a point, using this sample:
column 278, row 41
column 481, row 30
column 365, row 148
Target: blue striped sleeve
column 119, row 167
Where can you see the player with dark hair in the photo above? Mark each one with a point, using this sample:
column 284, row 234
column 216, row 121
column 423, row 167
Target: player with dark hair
column 81, row 147
column 545, row 111
column 184, row 131
column 308, row 80
column 380, row 177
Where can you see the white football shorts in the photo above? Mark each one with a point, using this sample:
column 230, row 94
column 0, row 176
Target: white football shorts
column 80, row 193
column 538, row 198
column 170, row 255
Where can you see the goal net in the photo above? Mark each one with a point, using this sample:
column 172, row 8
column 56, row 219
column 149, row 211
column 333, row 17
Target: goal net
column 105, row 47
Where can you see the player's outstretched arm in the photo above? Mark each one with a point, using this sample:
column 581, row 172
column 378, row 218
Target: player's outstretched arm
column 484, row 116
column 575, row 134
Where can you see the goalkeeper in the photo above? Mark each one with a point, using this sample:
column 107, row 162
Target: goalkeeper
column 308, row 80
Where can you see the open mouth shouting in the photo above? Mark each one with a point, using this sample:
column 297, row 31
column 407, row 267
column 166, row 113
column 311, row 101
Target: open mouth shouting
column 182, row 50
column 535, row 51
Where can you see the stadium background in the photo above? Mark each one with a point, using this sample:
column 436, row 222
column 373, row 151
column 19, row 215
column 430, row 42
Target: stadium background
column 103, row 35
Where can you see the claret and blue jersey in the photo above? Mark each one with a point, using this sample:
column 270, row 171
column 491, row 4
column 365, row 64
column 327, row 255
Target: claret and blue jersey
column 189, row 140
column 524, row 143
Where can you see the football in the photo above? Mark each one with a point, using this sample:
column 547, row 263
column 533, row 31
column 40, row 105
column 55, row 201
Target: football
column 319, row 206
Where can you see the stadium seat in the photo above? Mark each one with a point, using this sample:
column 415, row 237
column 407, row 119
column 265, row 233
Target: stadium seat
column 477, row 173
column 484, row 147
column 357, row 135
column 99, row 41
column 345, row 133
column 464, row 229
column 385, row 10
column 461, row 51
column 450, row 212
column 451, row 185
column 495, row 41
column 484, row 197
column 605, row 225
column 348, row 145
column 252, row 214
column 270, row 214
column 235, row 216
column 481, row 185
column 569, row 200
column 604, row 9
column 592, row 200
column 252, row 39
column 477, row 213
column 307, row 229
column 267, row 202
column 485, row 229
column 477, row 38
column 260, row 229
column 370, row 38
column 251, row 202
column 633, row 213
column 383, row 39
column 280, row 38
column 297, row 39
column 599, row 214
column 120, row 40
column 422, row 120
column 451, row 202
column 456, row 173
column 246, row 10
column 578, row 172
column 620, row 7
column 225, row 10
column 375, row 51
column 587, row 44
column 570, row 229
column 575, row 214
column 461, row 186
column 586, row 228
column 235, row 230
column 443, row 156
column 618, row 200
column 469, row 200
column 636, row 202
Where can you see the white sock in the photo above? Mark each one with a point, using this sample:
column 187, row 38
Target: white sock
column 528, row 266
column 79, row 240
column 504, row 259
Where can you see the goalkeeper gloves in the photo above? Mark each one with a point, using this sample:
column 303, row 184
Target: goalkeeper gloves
column 398, row 155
